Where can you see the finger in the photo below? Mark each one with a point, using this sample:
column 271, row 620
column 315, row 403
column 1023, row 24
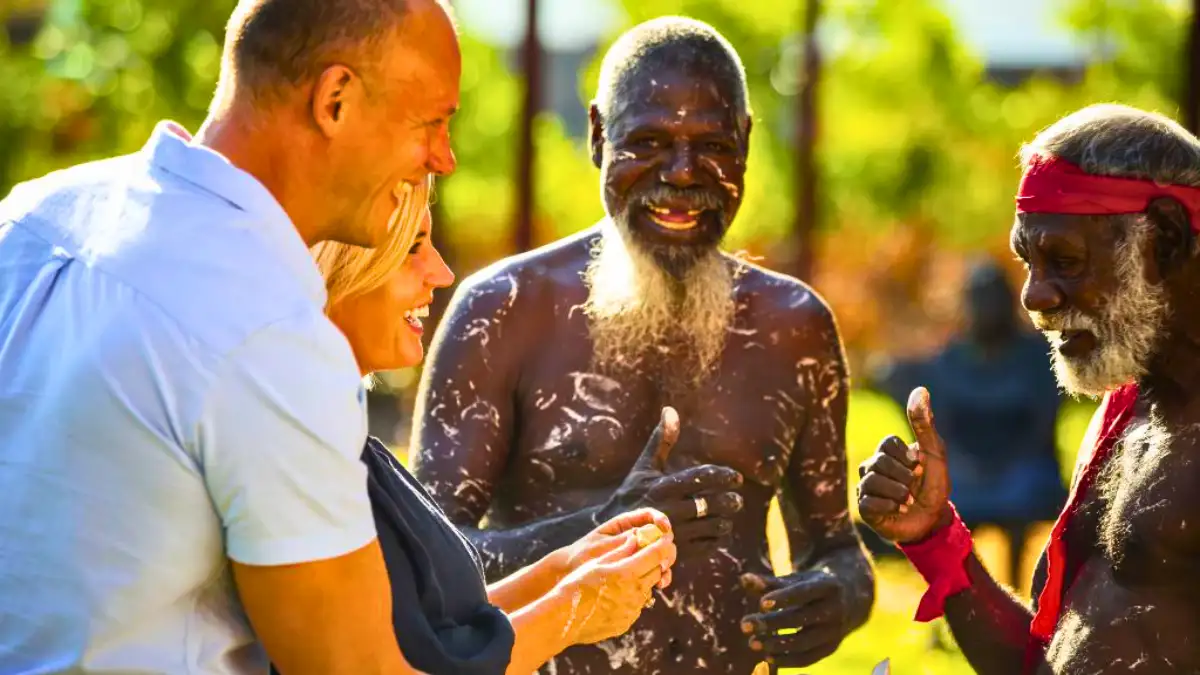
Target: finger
column 667, row 577
column 886, row 465
column 628, row 547
column 801, row 590
column 870, row 507
column 897, row 449
column 658, row 448
column 797, row 650
column 816, row 614
column 704, row 529
column 696, row 480
column 602, row 547
column 935, row 482
column 654, row 557
column 634, row 519
column 878, row 485
column 723, row 504
column 920, row 418
column 760, row 584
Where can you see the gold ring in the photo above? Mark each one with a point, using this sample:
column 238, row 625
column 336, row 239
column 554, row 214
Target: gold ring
column 701, row 507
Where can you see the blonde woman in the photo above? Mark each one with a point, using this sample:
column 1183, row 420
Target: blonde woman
column 446, row 620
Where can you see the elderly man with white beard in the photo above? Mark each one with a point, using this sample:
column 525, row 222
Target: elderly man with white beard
column 1108, row 214
column 553, row 369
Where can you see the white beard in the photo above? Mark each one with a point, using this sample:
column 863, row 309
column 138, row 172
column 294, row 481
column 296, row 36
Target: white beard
column 637, row 310
column 1127, row 330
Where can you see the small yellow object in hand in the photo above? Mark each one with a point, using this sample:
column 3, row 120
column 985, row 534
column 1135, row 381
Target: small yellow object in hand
column 762, row 669
column 648, row 534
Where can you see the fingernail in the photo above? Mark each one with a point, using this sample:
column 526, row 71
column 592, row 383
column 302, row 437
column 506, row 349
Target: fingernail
column 912, row 454
column 910, row 500
column 903, row 508
column 747, row 627
column 919, row 470
column 756, row 645
column 768, row 604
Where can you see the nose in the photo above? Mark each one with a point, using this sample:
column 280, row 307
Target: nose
column 441, row 155
column 1040, row 294
column 440, row 275
column 679, row 169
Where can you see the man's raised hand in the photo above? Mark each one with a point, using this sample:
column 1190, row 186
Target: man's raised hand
column 700, row 501
column 904, row 490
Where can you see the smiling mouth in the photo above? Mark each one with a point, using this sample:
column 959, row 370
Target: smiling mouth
column 414, row 316
column 1071, row 342
column 673, row 218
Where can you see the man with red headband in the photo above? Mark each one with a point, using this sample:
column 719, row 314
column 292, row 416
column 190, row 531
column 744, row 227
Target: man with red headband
column 1107, row 217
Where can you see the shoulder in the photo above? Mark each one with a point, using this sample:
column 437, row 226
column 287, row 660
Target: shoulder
column 797, row 316
column 296, row 374
column 527, row 282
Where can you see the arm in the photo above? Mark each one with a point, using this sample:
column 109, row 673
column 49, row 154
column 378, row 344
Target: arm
column 524, row 587
column 990, row 625
column 465, row 420
column 814, row 500
column 278, row 445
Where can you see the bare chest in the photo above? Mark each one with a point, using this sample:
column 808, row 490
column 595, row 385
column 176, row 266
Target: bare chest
column 1143, row 514
column 580, row 428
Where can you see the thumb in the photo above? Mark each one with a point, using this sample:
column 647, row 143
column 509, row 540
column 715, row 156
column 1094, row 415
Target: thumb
column 931, row 451
column 658, row 448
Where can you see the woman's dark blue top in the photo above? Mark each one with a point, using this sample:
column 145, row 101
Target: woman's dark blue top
column 444, row 623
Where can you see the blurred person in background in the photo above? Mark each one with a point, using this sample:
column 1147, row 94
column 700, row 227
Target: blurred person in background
column 552, row 368
column 181, row 487
column 446, row 620
column 997, row 403
column 1108, row 212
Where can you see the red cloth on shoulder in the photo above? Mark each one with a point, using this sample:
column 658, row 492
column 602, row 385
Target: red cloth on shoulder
column 1115, row 413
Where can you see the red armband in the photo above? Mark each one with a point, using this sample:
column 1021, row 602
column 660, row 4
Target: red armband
column 941, row 560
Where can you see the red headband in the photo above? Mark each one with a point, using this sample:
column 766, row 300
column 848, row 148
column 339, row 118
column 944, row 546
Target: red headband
column 1054, row 185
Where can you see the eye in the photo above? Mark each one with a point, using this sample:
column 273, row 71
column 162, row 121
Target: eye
column 1066, row 264
column 718, row 146
column 416, row 248
column 645, row 143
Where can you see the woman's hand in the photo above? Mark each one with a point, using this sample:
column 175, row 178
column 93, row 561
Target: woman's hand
column 612, row 535
column 607, row 594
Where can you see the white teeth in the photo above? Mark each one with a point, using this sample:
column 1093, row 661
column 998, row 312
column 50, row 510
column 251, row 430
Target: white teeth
column 664, row 212
column 417, row 312
column 674, row 225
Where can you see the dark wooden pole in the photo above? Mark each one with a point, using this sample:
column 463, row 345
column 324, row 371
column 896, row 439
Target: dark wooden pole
column 1191, row 87
column 532, row 65
column 806, row 138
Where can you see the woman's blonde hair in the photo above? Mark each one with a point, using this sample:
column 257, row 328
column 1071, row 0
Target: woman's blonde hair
column 354, row 270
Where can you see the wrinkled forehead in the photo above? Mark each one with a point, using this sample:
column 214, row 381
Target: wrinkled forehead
column 1039, row 231
column 654, row 95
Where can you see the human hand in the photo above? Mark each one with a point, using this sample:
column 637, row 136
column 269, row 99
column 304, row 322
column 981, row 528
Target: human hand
column 608, row 594
column 803, row 617
column 904, row 490
column 700, row 501
column 612, row 535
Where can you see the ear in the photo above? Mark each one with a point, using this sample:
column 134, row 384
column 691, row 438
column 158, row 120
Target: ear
column 337, row 91
column 596, row 124
column 1174, row 239
column 746, row 138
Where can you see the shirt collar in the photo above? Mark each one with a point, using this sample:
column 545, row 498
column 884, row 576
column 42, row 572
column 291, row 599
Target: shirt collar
column 171, row 149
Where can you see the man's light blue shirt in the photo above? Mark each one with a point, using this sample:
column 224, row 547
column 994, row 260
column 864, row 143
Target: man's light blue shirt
column 171, row 396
